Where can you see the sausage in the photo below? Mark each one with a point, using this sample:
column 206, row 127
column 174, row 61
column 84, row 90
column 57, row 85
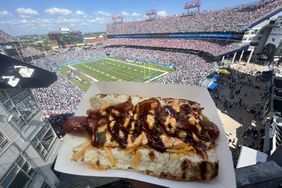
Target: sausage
column 75, row 124
column 213, row 131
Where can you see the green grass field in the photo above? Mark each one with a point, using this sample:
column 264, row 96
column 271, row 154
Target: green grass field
column 109, row 69
column 82, row 86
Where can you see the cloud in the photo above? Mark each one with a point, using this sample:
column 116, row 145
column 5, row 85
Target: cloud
column 102, row 13
column 162, row 13
column 57, row 21
column 123, row 13
column 80, row 13
column 4, row 13
column 58, row 11
column 67, row 21
column 136, row 14
column 45, row 23
column 24, row 21
column 44, row 20
column 99, row 20
column 26, row 12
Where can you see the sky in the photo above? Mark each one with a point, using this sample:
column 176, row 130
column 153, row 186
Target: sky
column 21, row 17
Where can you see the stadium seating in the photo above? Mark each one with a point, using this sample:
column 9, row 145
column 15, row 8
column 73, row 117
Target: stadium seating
column 213, row 47
column 226, row 20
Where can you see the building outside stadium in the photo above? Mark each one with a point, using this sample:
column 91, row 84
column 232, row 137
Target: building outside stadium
column 66, row 37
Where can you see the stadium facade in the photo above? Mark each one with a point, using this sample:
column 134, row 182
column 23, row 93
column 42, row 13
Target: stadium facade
column 28, row 144
column 265, row 37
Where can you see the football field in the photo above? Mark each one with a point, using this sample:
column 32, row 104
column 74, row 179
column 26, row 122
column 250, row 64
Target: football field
column 109, row 69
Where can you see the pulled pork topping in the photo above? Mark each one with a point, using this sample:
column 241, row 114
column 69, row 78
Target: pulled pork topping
column 147, row 123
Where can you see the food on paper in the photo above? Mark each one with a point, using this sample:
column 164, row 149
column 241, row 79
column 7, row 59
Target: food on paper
column 165, row 137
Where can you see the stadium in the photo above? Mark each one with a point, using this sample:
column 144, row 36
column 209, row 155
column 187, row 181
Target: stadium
column 235, row 53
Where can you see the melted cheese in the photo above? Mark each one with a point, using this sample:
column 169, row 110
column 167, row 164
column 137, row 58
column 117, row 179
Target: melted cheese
column 145, row 139
column 136, row 142
column 172, row 141
column 170, row 120
column 126, row 122
column 111, row 118
column 150, row 121
column 135, row 116
column 120, row 133
column 166, row 140
column 80, row 152
column 104, row 105
column 109, row 142
column 192, row 120
column 110, row 155
column 132, row 126
column 112, row 123
column 95, row 167
column 136, row 159
column 176, row 105
column 103, row 113
column 199, row 127
column 182, row 134
column 117, row 113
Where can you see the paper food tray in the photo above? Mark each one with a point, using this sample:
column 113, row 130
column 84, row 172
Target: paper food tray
column 226, row 174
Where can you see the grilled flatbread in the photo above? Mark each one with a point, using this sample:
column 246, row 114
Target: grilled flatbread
column 164, row 137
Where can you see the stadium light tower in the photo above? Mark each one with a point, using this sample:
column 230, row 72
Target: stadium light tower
column 190, row 6
column 117, row 19
column 151, row 14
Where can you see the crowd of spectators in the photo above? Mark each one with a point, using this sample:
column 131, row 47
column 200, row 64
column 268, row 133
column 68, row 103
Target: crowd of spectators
column 31, row 52
column 229, row 19
column 213, row 47
column 61, row 56
column 6, row 38
column 61, row 97
column 94, row 40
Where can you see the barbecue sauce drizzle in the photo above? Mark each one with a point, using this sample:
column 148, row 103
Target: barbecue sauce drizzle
column 95, row 119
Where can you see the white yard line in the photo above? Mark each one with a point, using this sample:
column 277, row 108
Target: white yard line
column 136, row 65
column 78, row 78
column 84, row 74
column 71, row 67
column 157, row 77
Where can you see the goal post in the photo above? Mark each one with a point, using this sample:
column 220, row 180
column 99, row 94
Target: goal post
column 147, row 70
